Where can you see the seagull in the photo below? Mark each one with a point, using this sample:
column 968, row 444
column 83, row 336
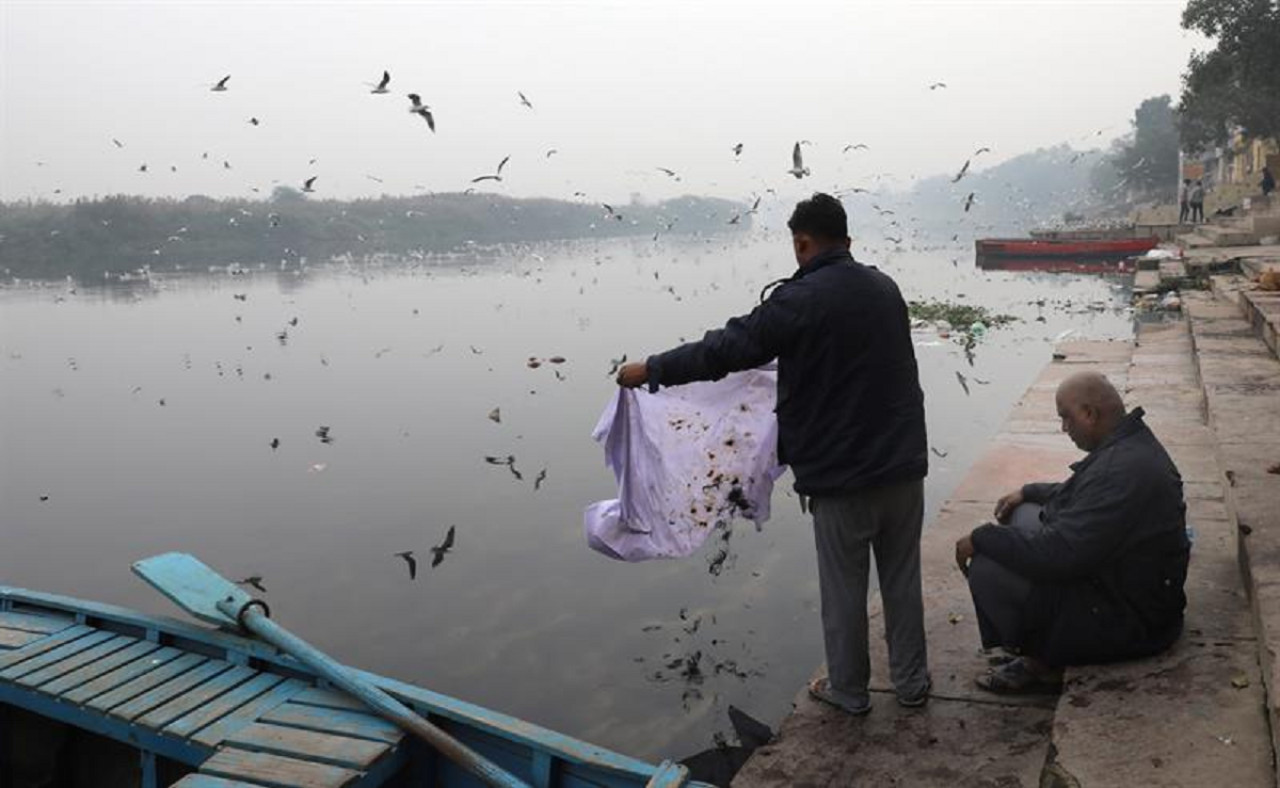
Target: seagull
column 797, row 163
column 612, row 213
column 221, row 85
column 419, row 108
column 938, row 451
column 438, row 552
column 541, row 477
column 306, row 185
column 407, row 555
column 858, row 146
column 963, row 171
column 381, row 87
column 496, row 176
column 981, row 151
column 669, row 173
column 254, row 122
column 616, row 364
column 937, row 85
column 143, row 168
column 275, row 443
column 754, row 206
column 737, row 217
column 737, row 150
column 495, row 415
column 968, row 202
column 552, row 152
column 524, row 100
column 964, row 384
column 252, row 580
column 117, row 142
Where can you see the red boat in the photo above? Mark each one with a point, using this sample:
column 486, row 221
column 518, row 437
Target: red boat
column 1030, row 248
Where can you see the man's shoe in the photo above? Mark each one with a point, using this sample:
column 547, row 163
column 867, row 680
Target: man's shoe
column 820, row 689
column 919, row 699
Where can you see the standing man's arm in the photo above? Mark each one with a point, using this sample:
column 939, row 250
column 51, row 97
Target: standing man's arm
column 744, row 343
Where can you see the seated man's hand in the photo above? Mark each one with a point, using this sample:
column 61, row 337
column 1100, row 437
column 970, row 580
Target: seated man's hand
column 964, row 553
column 1006, row 505
column 633, row 375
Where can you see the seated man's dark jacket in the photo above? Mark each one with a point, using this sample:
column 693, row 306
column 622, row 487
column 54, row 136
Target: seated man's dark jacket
column 1109, row 565
column 850, row 409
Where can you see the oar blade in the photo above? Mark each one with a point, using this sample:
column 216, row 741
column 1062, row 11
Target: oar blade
column 192, row 586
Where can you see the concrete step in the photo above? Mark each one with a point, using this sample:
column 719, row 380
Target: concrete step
column 1241, row 379
column 1227, row 236
column 1196, row 240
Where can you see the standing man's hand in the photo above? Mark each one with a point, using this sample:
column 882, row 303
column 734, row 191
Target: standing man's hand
column 633, row 375
column 1006, row 505
column 964, row 553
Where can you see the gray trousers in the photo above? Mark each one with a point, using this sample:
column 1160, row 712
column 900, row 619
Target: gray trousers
column 886, row 521
column 999, row 594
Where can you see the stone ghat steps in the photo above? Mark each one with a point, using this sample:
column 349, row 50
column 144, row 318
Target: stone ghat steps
column 1192, row 717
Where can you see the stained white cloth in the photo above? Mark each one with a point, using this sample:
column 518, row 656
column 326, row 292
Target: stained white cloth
column 687, row 458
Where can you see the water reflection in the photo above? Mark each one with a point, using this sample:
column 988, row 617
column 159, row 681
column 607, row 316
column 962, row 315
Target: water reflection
column 185, row 411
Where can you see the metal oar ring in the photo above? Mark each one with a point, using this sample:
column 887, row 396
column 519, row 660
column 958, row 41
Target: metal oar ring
column 258, row 603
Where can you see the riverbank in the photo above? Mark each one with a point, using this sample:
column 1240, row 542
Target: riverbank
column 1201, row 714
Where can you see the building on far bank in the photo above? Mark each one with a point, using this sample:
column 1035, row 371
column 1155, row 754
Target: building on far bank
column 1231, row 172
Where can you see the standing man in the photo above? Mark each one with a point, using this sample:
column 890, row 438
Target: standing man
column 1184, row 207
column 1197, row 202
column 1268, row 183
column 851, row 426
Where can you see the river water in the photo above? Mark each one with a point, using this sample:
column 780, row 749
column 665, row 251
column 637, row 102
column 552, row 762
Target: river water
column 145, row 412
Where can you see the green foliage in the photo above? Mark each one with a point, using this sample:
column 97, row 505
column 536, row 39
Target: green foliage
column 1238, row 82
column 84, row 239
column 1147, row 160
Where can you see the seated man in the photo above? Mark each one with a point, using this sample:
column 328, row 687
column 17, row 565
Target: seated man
column 1088, row 570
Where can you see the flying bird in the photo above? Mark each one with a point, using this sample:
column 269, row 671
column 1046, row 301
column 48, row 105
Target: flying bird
column 968, row 202
column 143, row 168
column 306, row 185
column 438, row 552
column 612, row 214
column 407, row 555
column 552, row 152
column 524, row 100
column 669, row 173
column 254, row 122
column 797, row 163
column 963, row 171
column 221, row 85
column 981, row 151
column 737, row 150
column 539, row 479
column 275, row 443
column 117, row 142
column 496, row 176
column 858, row 146
column 254, row 581
column 964, row 383
column 737, row 217
column 423, row 110
column 495, row 415
column 381, row 87
column 937, row 85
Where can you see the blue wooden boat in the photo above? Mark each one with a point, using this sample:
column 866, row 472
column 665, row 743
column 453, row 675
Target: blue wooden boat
column 206, row 707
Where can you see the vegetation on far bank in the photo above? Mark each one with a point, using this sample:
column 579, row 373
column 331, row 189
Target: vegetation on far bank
column 42, row 240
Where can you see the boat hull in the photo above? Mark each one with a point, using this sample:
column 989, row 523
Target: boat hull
column 1032, row 248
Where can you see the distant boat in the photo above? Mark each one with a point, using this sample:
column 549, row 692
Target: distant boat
column 1032, row 248
column 229, row 710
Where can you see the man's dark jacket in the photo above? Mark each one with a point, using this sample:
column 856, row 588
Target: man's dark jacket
column 850, row 409
column 1109, row 564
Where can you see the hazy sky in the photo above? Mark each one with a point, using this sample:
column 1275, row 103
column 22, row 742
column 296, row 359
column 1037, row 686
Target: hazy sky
column 618, row 88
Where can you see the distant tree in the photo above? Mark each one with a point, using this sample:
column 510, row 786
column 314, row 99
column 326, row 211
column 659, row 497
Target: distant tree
column 1147, row 160
column 1238, row 82
column 287, row 194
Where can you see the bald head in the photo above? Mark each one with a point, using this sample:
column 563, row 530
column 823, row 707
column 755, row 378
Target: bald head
column 1090, row 408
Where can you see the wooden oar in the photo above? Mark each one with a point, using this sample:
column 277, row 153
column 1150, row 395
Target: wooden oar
column 210, row 597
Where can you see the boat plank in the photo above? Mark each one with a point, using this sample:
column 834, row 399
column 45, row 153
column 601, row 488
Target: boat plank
column 117, row 678
column 17, row 638
column 87, row 657
column 220, row 707
column 93, row 670
column 32, row 622
column 215, row 734
column 197, row 696
column 175, row 687
column 347, row 723
column 53, row 655
column 277, row 771
column 309, row 745
column 209, row 781
column 43, row 645
column 330, row 699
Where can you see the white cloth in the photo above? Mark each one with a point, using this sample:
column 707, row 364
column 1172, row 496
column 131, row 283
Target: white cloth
column 687, row 459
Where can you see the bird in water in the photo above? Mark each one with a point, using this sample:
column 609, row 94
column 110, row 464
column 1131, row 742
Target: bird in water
column 438, row 552
column 524, row 100
column 221, row 85
column 381, row 87
column 797, row 163
column 422, row 110
column 306, row 185
column 253, row 580
column 496, row 176
column 407, row 555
